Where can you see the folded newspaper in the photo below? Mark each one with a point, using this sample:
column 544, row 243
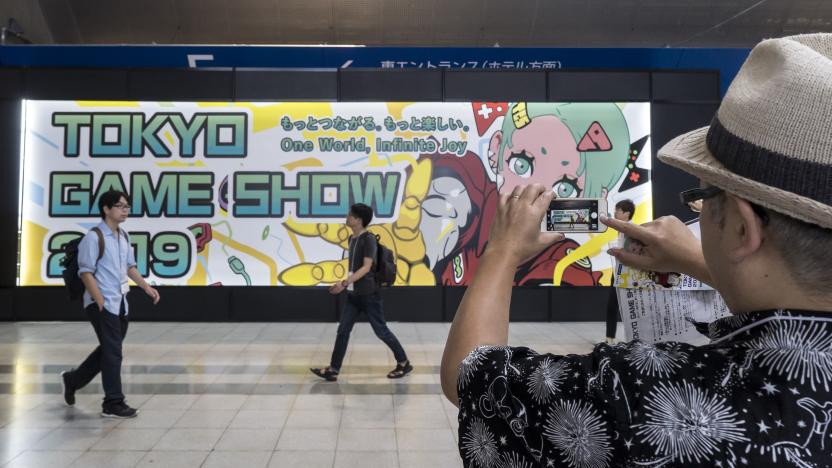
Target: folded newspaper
column 664, row 306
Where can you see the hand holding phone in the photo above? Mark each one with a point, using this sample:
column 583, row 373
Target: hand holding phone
column 575, row 215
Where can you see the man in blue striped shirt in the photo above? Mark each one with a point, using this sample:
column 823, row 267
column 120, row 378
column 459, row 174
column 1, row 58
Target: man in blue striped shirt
column 105, row 274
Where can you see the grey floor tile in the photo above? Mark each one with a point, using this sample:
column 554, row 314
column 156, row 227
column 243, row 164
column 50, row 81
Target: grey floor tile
column 189, row 439
column 410, row 459
column 248, row 440
column 308, row 439
column 177, row 459
column 421, row 419
column 301, row 458
column 266, row 419
column 108, row 460
column 18, row 440
column 70, row 439
column 346, row 459
column 313, row 419
column 88, row 420
column 319, row 402
column 51, row 459
column 205, row 419
column 129, row 439
column 219, row 402
column 268, row 402
column 425, row 440
column 40, row 419
column 152, row 419
column 368, row 402
column 224, row 459
column 367, row 440
column 368, row 419
column 418, row 402
column 170, row 402
column 8, row 454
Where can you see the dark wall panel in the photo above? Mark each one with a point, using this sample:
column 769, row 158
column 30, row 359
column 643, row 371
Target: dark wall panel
column 12, row 84
column 686, row 86
column 6, row 304
column 79, row 84
column 413, row 304
column 578, row 304
column 668, row 121
column 463, row 85
column 598, row 86
column 10, row 116
column 451, row 301
column 390, row 85
column 528, row 304
column 204, row 304
column 180, row 85
column 287, row 304
column 46, row 303
column 264, row 84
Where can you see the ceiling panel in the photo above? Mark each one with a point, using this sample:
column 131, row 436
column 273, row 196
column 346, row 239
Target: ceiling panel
column 598, row 23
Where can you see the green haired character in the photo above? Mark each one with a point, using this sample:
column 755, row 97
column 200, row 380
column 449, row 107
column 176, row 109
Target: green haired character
column 579, row 149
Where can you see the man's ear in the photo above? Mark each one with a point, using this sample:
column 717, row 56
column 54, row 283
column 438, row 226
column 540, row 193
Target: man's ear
column 744, row 226
column 494, row 150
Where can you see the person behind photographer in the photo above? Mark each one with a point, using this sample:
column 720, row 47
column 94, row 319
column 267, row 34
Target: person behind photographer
column 760, row 392
column 624, row 211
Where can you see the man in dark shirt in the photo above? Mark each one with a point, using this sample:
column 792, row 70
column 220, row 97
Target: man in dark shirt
column 362, row 296
column 760, row 393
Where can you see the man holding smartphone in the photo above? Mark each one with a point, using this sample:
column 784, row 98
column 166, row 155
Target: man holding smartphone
column 105, row 275
column 758, row 394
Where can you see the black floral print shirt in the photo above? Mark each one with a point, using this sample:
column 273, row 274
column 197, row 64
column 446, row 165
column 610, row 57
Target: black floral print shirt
column 757, row 395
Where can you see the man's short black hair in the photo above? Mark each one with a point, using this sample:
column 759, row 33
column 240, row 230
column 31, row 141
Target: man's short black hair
column 109, row 199
column 627, row 206
column 362, row 212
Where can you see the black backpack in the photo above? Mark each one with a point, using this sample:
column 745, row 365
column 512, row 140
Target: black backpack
column 74, row 285
column 385, row 265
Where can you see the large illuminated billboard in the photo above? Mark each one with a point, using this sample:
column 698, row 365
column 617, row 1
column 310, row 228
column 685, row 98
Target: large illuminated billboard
column 256, row 193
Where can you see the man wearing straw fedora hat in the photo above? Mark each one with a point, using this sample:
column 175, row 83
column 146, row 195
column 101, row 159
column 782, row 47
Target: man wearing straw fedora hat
column 761, row 391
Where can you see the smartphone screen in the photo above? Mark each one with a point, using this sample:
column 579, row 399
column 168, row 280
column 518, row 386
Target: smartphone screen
column 574, row 215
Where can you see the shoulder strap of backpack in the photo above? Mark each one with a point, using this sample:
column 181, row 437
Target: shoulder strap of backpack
column 100, row 243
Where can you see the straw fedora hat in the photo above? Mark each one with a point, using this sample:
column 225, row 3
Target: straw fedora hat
column 770, row 142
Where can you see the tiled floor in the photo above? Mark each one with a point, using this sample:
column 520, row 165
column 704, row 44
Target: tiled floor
column 240, row 395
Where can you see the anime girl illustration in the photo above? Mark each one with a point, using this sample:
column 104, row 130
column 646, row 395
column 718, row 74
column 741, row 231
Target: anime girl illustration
column 579, row 149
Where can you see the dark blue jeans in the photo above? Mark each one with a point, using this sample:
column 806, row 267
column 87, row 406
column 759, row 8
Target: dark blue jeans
column 371, row 305
column 106, row 358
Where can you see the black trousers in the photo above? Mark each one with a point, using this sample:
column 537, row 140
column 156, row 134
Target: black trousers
column 106, row 358
column 612, row 313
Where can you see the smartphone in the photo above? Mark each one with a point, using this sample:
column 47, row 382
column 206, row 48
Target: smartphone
column 575, row 215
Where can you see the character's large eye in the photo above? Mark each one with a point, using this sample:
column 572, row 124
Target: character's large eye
column 567, row 188
column 521, row 164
